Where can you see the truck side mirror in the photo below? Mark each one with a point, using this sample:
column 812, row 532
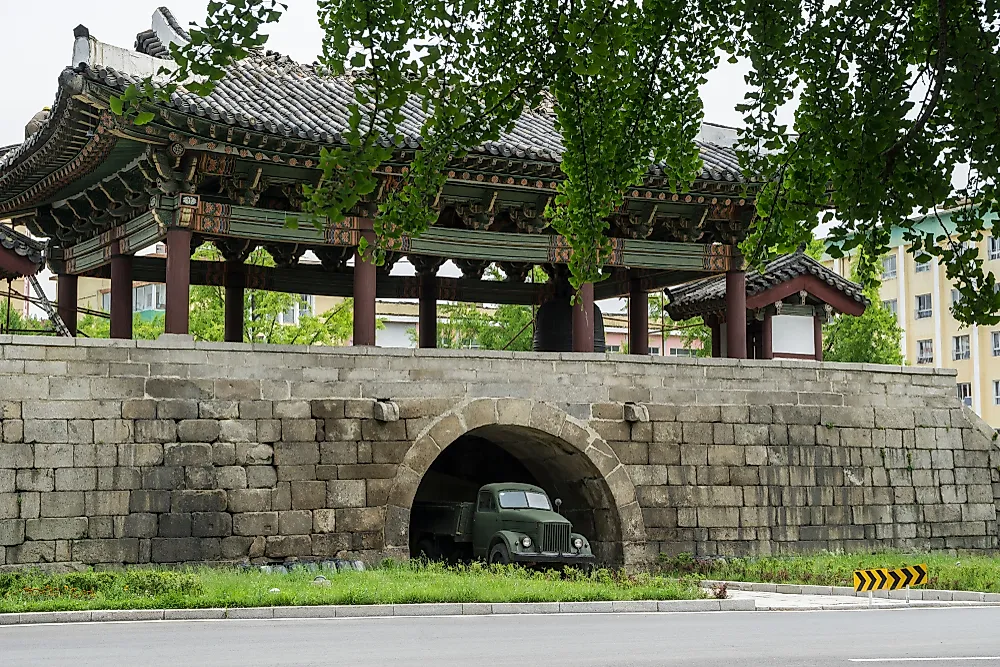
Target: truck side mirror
column 558, row 504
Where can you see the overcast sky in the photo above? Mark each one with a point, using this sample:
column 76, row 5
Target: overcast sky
column 36, row 43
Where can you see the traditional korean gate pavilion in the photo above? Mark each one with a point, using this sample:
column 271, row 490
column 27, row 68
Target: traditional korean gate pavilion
column 229, row 169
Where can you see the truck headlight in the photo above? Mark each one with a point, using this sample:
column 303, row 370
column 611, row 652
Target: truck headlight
column 577, row 543
column 525, row 541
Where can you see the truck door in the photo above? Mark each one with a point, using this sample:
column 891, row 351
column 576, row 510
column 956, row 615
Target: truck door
column 485, row 523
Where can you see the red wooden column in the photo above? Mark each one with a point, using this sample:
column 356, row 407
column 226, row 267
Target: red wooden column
column 427, row 322
column 736, row 310
column 364, row 290
column 638, row 315
column 768, row 335
column 235, row 284
column 818, row 336
column 583, row 319
column 178, row 280
column 67, row 288
column 121, row 294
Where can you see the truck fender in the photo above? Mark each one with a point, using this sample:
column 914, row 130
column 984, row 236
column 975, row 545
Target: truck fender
column 510, row 539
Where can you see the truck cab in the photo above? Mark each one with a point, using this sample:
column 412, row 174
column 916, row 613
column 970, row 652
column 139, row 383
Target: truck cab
column 508, row 523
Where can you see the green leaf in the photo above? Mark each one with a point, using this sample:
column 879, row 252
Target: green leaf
column 143, row 117
column 116, row 105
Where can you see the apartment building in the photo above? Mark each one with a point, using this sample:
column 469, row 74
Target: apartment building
column 921, row 296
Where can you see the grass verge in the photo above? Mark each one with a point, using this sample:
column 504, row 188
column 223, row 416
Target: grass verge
column 390, row 584
column 948, row 572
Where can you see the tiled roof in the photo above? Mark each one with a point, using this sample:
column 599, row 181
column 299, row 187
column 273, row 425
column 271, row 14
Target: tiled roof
column 706, row 292
column 270, row 93
column 22, row 245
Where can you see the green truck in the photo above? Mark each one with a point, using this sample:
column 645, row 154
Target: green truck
column 508, row 523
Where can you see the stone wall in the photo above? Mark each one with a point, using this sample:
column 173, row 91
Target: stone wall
column 136, row 452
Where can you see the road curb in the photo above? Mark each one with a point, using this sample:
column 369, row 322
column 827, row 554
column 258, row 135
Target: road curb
column 916, row 594
column 379, row 611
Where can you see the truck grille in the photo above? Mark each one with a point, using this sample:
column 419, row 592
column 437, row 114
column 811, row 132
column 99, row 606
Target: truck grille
column 555, row 537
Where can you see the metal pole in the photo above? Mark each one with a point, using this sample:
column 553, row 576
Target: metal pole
column 870, row 597
column 907, row 594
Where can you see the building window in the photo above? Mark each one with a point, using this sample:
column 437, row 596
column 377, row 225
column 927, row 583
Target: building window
column 106, row 304
column 996, row 392
column 304, row 306
column 922, row 267
column 960, row 348
column 891, row 306
column 923, row 306
column 996, row 343
column 965, row 393
column 654, row 350
column 994, row 247
column 681, row 352
column 956, row 296
column 888, row 267
column 925, row 351
column 613, row 348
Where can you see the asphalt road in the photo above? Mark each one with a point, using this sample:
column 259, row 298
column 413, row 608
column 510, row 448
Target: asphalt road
column 960, row 636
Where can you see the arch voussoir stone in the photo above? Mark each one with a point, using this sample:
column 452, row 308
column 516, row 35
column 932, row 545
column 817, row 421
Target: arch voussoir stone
column 538, row 416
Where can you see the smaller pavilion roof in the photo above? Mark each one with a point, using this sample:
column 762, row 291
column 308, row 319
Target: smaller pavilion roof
column 20, row 255
column 708, row 295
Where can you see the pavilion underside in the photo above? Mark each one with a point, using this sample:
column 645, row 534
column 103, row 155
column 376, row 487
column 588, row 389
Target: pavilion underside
column 101, row 190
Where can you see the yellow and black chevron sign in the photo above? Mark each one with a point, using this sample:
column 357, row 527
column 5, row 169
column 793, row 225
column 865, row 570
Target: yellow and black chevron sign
column 882, row 579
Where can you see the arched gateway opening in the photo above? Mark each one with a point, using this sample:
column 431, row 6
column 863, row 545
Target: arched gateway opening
column 514, row 440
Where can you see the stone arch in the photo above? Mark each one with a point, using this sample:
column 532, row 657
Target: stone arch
column 577, row 450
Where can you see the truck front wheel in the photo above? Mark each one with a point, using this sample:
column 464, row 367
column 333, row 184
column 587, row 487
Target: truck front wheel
column 499, row 554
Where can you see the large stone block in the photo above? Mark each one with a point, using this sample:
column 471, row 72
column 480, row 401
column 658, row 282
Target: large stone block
column 332, row 453
column 283, row 546
column 76, row 479
column 46, row 430
column 296, row 453
column 163, row 477
column 177, row 409
column 308, row 495
column 175, row 524
column 254, row 454
column 185, row 549
column 255, row 523
column 11, row 532
column 73, row 528
column 107, row 502
column 249, row 500
column 187, row 454
column 198, row 430
column 34, row 479
column 125, row 550
column 345, row 493
column 139, row 525
column 155, row 430
column 140, row 455
column 299, row 430
column 53, row 456
column 295, row 522
column 361, row 519
column 149, row 501
column 238, row 430
column 198, row 501
column 211, row 524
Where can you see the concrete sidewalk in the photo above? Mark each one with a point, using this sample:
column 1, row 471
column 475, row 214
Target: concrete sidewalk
column 764, row 601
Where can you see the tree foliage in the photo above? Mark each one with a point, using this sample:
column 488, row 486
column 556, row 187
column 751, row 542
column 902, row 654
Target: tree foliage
column 874, row 337
column 263, row 310
column 892, row 98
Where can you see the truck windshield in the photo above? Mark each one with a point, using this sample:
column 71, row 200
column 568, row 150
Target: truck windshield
column 524, row 500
